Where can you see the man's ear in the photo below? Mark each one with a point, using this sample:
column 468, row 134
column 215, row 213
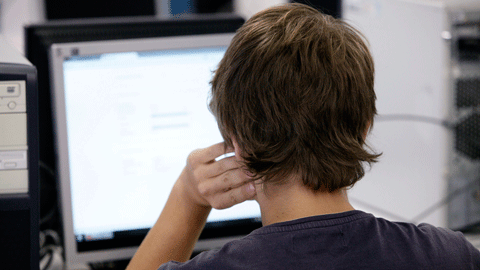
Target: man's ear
column 236, row 148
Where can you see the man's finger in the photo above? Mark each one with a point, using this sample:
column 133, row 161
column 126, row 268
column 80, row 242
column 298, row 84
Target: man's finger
column 222, row 166
column 234, row 196
column 209, row 154
column 232, row 179
column 229, row 180
column 216, row 150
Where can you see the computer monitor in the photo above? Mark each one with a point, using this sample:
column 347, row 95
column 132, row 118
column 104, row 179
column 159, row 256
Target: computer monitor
column 126, row 115
column 39, row 38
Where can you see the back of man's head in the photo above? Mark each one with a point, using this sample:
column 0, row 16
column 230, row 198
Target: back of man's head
column 295, row 91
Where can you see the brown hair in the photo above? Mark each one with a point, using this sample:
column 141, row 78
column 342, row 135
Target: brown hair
column 295, row 90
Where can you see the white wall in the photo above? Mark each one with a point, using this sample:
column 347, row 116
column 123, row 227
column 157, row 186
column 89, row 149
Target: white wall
column 14, row 14
column 411, row 78
column 247, row 8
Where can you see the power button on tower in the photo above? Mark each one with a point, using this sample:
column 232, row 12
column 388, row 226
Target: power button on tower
column 12, row 105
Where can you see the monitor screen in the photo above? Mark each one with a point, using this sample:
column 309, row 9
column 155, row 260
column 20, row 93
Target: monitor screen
column 40, row 37
column 126, row 116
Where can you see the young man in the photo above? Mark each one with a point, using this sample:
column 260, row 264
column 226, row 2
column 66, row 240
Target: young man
column 294, row 99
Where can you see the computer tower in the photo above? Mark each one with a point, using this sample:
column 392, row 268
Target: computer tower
column 427, row 81
column 19, row 201
column 464, row 173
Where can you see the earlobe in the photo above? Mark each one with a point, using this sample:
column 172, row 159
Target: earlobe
column 236, row 148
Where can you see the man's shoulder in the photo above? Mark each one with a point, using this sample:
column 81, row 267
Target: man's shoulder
column 423, row 233
column 422, row 244
column 231, row 256
column 353, row 240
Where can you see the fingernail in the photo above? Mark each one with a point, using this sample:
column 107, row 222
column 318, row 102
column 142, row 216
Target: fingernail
column 249, row 173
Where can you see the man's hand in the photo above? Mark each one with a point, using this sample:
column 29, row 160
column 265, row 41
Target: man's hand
column 218, row 184
column 204, row 183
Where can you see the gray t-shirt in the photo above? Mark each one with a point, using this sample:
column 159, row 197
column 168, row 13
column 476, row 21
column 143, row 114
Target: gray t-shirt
column 349, row 240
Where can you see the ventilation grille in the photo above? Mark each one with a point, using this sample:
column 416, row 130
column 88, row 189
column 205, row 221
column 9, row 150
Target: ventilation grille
column 467, row 139
column 467, row 132
column 468, row 93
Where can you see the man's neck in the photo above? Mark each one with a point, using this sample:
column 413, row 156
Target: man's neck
column 293, row 200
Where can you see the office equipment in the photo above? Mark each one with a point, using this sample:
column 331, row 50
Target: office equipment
column 427, row 57
column 39, row 38
column 19, row 202
column 127, row 113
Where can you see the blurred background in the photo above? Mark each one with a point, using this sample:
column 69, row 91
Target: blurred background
column 427, row 57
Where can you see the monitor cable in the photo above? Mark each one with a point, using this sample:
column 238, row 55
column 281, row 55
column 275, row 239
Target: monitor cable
column 450, row 196
column 52, row 182
column 51, row 251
